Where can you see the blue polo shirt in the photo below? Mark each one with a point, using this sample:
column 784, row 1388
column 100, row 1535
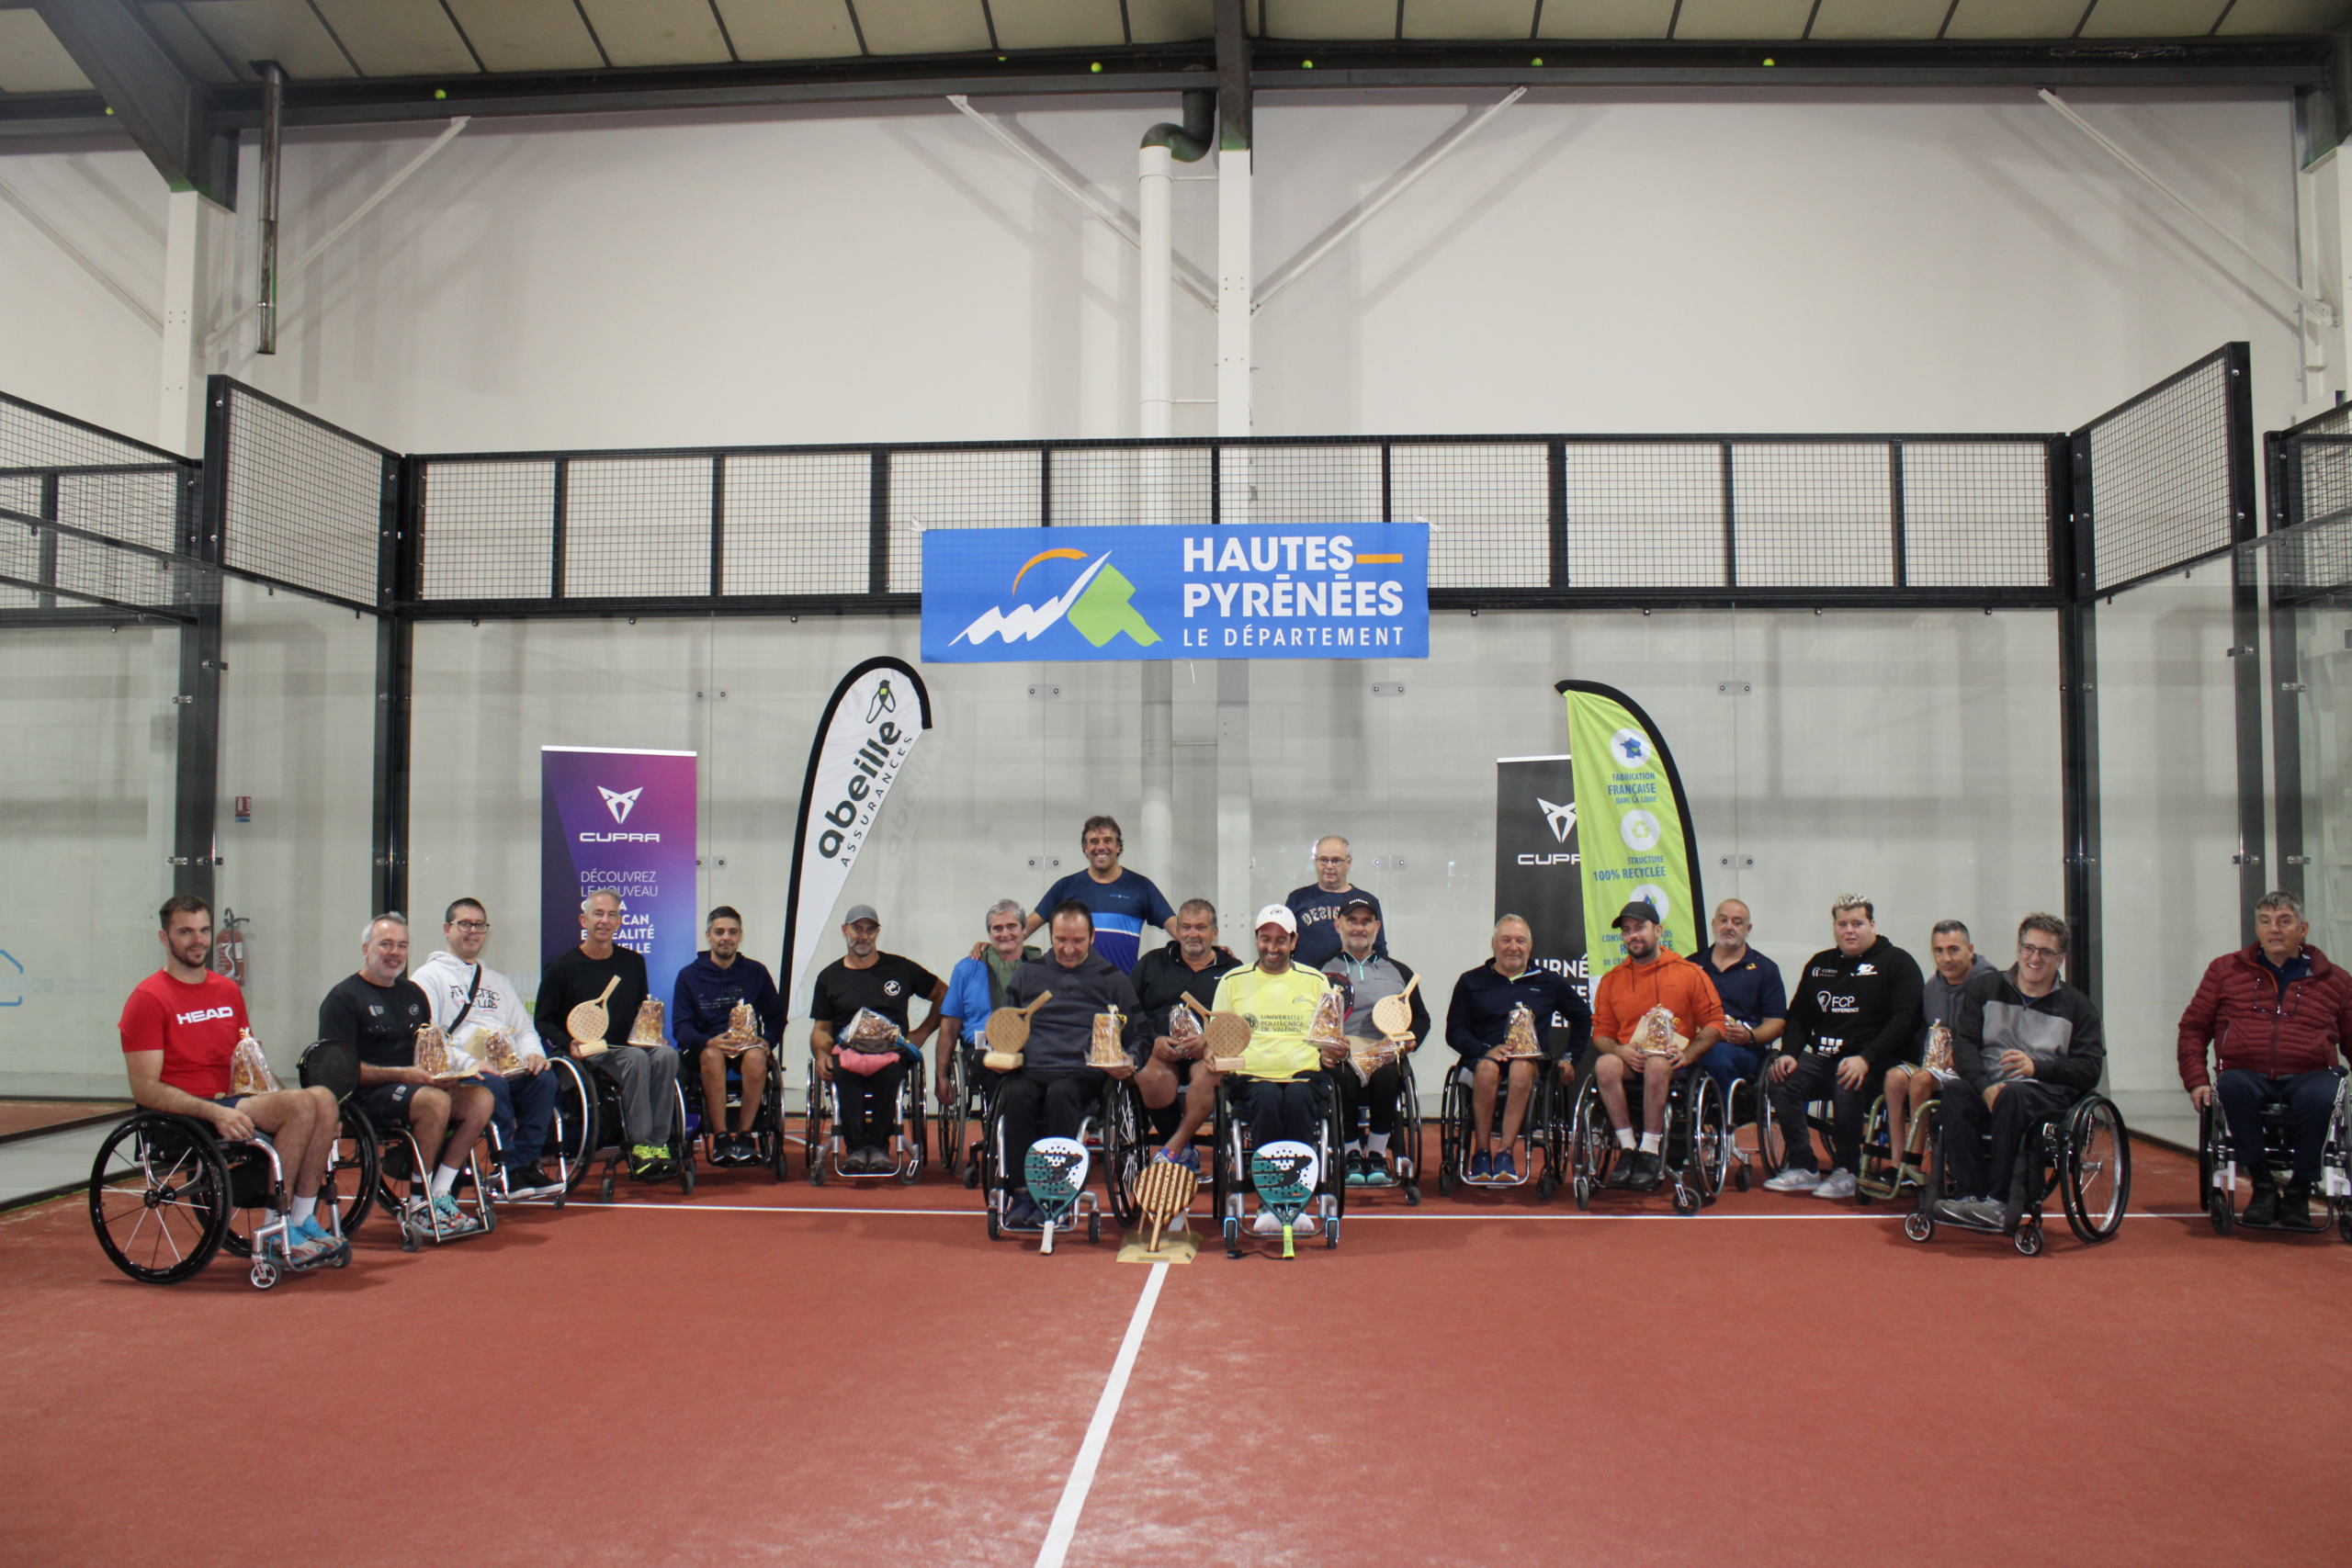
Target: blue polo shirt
column 1121, row 909
column 1751, row 989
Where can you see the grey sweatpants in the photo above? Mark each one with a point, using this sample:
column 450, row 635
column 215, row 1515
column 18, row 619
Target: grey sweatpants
column 647, row 1080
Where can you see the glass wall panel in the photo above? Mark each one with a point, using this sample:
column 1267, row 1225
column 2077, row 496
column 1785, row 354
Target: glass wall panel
column 2167, row 742
column 2324, row 665
column 298, row 740
column 86, row 787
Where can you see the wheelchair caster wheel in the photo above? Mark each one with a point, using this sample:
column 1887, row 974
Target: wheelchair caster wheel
column 1545, row 1185
column 1919, row 1226
column 1739, row 1179
column 1232, row 1238
column 1445, row 1183
column 1413, row 1198
column 996, row 1229
column 264, row 1274
column 408, row 1239
column 343, row 1256
column 1686, row 1201
column 2219, row 1209
column 1864, row 1200
column 605, row 1189
column 557, row 1205
column 1584, row 1191
column 971, row 1177
column 2029, row 1240
column 2343, row 1219
column 688, row 1173
column 1094, row 1230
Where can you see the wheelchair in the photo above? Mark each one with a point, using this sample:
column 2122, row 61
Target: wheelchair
column 399, row 1157
column 2217, row 1166
column 1229, row 1183
column 1113, row 1134
column 767, row 1121
column 967, row 1102
column 167, row 1195
column 1546, row 1130
column 588, row 1125
column 1698, row 1149
column 567, row 1142
column 1886, row 1172
column 1404, row 1143
column 2083, row 1153
column 820, row 1130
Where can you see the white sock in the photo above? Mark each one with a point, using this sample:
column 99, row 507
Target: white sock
column 442, row 1180
column 1376, row 1144
column 1653, row 1142
column 302, row 1210
column 1624, row 1137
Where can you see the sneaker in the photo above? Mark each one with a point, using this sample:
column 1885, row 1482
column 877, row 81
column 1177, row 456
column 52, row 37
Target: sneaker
column 1839, row 1183
column 1649, row 1170
column 1505, row 1169
column 1265, row 1223
column 453, row 1219
column 1793, row 1180
column 529, row 1181
column 1955, row 1210
column 1481, row 1166
column 747, row 1149
column 1187, row 1157
column 2295, row 1208
column 1622, row 1169
column 1303, row 1225
column 2264, row 1208
column 1375, row 1169
column 1023, row 1213
column 302, row 1246
column 1353, row 1163
column 651, row 1162
column 1986, row 1214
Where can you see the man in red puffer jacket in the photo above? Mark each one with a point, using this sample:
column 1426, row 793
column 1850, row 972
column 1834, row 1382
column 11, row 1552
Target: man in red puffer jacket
column 2278, row 1015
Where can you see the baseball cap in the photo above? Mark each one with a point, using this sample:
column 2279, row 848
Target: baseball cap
column 1277, row 915
column 1359, row 902
column 1639, row 909
column 860, row 912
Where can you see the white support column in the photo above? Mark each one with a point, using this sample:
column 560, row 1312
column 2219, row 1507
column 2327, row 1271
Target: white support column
column 179, row 412
column 1233, row 308
column 1154, row 183
column 1155, row 841
column 2324, row 232
column 1233, row 826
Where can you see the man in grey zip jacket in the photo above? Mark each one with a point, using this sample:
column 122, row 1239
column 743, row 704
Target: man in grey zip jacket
column 2025, row 1046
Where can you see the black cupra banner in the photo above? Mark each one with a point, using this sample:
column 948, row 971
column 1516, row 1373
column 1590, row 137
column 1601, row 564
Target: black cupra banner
column 1536, row 861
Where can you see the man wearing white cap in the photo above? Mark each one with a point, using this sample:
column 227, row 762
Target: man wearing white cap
column 1279, row 999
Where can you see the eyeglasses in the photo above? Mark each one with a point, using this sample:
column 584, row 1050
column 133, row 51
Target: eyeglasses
column 2039, row 955
column 473, row 925
column 1331, row 860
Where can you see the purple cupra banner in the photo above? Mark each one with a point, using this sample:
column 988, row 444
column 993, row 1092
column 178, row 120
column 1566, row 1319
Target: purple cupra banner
column 625, row 821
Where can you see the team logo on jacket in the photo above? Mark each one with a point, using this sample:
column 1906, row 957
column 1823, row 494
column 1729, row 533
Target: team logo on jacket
column 890, row 988
column 1865, row 968
column 205, row 1015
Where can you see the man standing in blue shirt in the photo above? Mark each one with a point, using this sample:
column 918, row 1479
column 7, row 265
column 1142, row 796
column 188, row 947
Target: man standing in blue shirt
column 1124, row 903
column 1317, row 906
column 975, row 988
column 1756, row 1004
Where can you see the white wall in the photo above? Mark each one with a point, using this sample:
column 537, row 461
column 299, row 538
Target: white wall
column 1588, row 261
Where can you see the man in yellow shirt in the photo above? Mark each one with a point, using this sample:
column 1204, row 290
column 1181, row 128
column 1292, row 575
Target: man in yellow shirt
column 1278, row 998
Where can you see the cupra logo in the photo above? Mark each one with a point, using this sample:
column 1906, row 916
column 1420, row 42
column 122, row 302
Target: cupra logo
column 620, row 805
column 1097, row 605
column 1559, row 818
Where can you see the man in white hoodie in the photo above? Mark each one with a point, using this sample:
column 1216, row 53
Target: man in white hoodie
column 471, row 1002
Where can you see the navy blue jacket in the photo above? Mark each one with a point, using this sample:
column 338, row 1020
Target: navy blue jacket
column 707, row 995
column 1478, row 1017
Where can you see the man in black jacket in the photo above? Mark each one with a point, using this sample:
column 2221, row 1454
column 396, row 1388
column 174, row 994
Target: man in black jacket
column 1178, row 1095
column 1049, row 1095
column 2026, row 1045
column 1854, row 1009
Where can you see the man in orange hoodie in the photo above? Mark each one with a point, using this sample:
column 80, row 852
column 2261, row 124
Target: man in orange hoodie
column 1652, row 975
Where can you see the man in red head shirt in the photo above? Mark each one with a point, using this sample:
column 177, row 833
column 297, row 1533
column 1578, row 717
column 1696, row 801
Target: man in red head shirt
column 180, row 1031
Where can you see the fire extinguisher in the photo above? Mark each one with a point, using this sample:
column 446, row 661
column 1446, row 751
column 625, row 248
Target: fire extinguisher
column 229, row 948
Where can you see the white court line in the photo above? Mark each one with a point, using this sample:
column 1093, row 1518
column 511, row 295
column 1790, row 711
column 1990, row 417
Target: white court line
column 1098, row 1431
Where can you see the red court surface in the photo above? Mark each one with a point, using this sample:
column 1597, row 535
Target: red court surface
column 19, row 1117
column 737, row 1379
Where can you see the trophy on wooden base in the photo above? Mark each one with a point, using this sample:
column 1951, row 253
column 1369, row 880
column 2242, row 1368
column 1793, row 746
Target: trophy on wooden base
column 1519, row 1041
column 1008, row 1033
column 498, row 1050
column 742, row 1033
column 869, row 1044
column 587, row 1022
column 433, row 1054
column 647, row 1029
column 1184, row 1027
column 1655, row 1034
column 1939, row 1057
column 249, row 1068
column 1228, row 1034
column 1165, row 1191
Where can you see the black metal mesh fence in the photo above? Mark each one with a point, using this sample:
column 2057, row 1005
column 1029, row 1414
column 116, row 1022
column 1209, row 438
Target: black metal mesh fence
column 91, row 519
column 303, row 502
column 2160, row 476
column 1509, row 516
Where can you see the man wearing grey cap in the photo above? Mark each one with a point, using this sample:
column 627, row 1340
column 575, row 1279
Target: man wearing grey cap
column 866, row 977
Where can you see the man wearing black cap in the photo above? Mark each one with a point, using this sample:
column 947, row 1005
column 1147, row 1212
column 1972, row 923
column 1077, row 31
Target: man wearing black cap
column 866, row 978
column 1856, row 1011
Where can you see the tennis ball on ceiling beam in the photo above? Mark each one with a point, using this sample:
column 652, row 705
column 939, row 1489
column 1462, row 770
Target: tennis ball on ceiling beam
column 440, row 92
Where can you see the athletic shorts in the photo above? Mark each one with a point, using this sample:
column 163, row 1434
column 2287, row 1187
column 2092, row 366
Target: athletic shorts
column 232, row 1100
column 387, row 1104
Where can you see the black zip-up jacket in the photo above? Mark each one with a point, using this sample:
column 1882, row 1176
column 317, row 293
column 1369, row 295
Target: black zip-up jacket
column 1868, row 1004
column 2061, row 1031
column 1478, row 1017
column 1162, row 979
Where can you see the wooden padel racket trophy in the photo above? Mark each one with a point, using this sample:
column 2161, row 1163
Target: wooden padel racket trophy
column 1165, row 1191
column 1008, row 1035
column 587, row 1022
column 1056, row 1170
column 1228, row 1034
column 1393, row 1016
column 1284, row 1174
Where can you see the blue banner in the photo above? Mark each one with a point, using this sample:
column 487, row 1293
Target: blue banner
column 1260, row 591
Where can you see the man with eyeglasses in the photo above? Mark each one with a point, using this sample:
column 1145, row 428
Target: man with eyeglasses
column 472, row 1003
column 2025, row 1045
column 1317, row 907
column 2278, row 1015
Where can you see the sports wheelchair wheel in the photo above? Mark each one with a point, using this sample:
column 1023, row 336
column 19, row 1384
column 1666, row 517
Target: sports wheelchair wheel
column 1738, row 1167
column 1452, row 1122
column 352, row 1174
column 1124, row 1150
column 914, row 1122
column 1771, row 1138
column 1405, row 1143
column 2095, row 1171
column 1592, row 1143
column 159, row 1198
column 1707, row 1126
column 812, row 1128
column 1549, row 1134
column 572, row 1134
